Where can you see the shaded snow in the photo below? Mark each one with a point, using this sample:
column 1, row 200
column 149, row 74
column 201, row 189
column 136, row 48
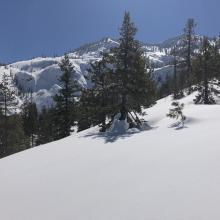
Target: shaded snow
column 118, row 127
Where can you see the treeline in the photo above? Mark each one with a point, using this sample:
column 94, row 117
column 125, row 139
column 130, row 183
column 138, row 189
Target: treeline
column 122, row 85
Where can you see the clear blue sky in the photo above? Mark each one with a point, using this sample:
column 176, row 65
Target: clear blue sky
column 34, row 27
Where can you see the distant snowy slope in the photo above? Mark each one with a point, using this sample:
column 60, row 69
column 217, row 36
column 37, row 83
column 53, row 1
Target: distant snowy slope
column 158, row 174
column 41, row 75
column 95, row 50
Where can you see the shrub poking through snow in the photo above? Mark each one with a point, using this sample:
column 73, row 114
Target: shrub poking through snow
column 177, row 113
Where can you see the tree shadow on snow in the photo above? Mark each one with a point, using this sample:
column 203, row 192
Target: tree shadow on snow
column 110, row 137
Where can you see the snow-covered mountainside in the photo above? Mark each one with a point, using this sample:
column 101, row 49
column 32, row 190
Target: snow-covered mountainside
column 40, row 75
column 160, row 173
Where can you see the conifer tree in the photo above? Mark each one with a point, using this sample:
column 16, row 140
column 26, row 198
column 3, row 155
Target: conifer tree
column 216, row 58
column 30, row 119
column 86, row 110
column 103, row 91
column 65, row 99
column 189, row 41
column 46, row 127
column 122, row 82
column 176, row 85
column 1, row 132
column 135, row 85
column 98, row 104
column 17, row 140
column 205, row 65
column 165, row 88
column 8, row 105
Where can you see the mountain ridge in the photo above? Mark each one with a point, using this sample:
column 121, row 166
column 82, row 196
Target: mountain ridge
column 40, row 75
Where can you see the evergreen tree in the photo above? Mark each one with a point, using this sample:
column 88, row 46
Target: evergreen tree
column 86, row 110
column 1, row 132
column 103, row 97
column 165, row 88
column 122, row 82
column 216, row 58
column 30, row 119
column 177, row 89
column 135, row 85
column 17, row 140
column 205, row 66
column 46, row 127
column 8, row 105
column 65, row 100
column 189, row 41
column 98, row 104
column 175, row 85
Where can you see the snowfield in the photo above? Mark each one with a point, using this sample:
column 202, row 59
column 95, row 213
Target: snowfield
column 157, row 174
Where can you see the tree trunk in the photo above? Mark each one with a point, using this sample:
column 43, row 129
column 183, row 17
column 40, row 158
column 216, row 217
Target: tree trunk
column 189, row 72
column 5, row 145
column 206, row 95
column 123, row 110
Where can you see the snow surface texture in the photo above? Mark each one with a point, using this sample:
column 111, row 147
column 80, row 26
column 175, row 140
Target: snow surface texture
column 40, row 75
column 158, row 174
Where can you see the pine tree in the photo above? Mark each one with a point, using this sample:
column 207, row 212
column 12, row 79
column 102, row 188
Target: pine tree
column 122, row 82
column 216, row 58
column 189, row 41
column 97, row 104
column 86, row 110
column 30, row 119
column 46, row 127
column 205, row 66
column 17, row 141
column 65, row 99
column 8, row 105
column 1, row 132
column 165, row 88
column 176, row 85
column 135, row 84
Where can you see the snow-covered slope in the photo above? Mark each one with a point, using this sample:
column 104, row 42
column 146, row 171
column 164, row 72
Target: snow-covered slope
column 157, row 174
column 40, row 75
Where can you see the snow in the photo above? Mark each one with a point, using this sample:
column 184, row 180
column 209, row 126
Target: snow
column 41, row 75
column 158, row 174
column 44, row 98
column 118, row 127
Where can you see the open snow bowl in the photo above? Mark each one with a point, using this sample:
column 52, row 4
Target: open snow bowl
column 156, row 174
